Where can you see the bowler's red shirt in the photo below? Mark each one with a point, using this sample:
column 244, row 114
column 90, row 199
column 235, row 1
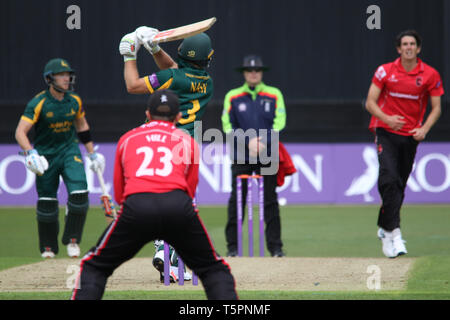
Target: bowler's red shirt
column 155, row 157
column 405, row 93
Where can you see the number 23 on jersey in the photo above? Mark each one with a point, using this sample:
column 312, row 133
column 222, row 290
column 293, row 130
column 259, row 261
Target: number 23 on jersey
column 148, row 168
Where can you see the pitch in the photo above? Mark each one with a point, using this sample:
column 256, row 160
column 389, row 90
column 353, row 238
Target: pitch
column 329, row 250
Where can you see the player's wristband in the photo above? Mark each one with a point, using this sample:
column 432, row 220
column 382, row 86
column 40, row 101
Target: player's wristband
column 28, row 152
column 85, row 136
column 155, row 49
column 128, row 58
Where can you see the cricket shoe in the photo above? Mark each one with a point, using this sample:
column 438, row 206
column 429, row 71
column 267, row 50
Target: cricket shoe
column 232, row 253
column 48, row 253
column 175, row 260
column 398, row 243
column 73, row 249
column 278, row 253
column 173, row 275
column 387, row 242
column 187, row 276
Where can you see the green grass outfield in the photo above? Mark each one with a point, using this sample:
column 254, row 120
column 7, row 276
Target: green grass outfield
column 307, row 231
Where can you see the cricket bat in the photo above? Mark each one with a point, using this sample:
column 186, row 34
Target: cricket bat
column 183, row 31
column 107, row 203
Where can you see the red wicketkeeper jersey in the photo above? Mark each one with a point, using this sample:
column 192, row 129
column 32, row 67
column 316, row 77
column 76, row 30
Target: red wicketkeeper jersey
column 155, row 157
column 405, row 93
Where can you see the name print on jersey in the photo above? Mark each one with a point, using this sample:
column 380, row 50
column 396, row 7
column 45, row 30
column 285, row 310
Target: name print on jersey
column 61, row 126
column 198, row 87
column 156, row 137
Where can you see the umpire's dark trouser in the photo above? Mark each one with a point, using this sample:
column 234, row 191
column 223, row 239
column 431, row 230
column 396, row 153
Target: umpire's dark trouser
column 146, row 217
column 271, row 208
column 396, row 155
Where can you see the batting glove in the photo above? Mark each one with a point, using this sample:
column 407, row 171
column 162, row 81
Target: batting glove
column 145, row 37
column 129, row 46
column 97, row 162
column 35, row 163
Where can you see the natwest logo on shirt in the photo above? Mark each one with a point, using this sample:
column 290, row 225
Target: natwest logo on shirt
column 392, row 78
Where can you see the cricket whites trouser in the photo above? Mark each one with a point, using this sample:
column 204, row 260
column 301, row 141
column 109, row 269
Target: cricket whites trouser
column 396, row 155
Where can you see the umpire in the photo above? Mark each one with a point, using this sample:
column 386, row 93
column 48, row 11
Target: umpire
column 254, row 106
column 156, row 197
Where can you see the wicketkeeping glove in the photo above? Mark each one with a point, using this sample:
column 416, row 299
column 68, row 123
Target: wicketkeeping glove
column 97, row 162
column 129, row 46
column 35, row 163
column 145, row 37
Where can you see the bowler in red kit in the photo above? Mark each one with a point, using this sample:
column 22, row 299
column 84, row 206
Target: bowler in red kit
column 397, row 100
column 155, row 178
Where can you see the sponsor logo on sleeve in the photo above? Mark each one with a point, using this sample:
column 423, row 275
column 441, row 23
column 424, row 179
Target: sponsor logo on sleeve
column 381, row 73
column 154, row 80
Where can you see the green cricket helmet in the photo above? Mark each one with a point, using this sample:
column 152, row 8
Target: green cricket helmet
column 55, row 66
column 197, row 49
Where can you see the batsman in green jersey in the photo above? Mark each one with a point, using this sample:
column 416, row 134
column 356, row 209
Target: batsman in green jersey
column 187, row 77
column 59, row 121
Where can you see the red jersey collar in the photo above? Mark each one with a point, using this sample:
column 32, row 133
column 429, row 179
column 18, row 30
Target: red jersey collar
column 419, row 68
column 154, row 123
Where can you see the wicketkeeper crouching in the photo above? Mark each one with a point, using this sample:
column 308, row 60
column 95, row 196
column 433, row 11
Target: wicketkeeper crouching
column 156, row 190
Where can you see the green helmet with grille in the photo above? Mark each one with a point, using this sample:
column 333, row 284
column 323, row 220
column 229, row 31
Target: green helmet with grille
column 55, row 66
column 196, row 49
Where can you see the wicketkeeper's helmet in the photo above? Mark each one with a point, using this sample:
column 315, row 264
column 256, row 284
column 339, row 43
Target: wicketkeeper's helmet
column 197, row 49
column 55, row 66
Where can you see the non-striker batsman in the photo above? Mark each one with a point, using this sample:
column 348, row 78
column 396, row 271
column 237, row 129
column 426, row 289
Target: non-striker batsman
column 58, row 118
